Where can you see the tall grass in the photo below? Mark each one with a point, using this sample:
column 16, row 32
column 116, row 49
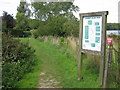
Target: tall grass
column 54, row 60
column 61, row 62
column 68, row 46
column 67, row 74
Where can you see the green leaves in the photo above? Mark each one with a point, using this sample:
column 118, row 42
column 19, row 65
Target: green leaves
column 7, row 22
column 63, row 25
column 21, row 21
column 43, row 10
column 17, row 60
column 22, row 17
column 71, row 27
column 113, row 26
column 23, row 8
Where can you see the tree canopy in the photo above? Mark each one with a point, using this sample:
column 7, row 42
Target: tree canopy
column 23, row 8
column 8, row 22
column 42, row 10
column 54, row 18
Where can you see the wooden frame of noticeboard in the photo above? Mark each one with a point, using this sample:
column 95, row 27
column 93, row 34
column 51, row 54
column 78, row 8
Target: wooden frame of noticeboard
column 95, row 17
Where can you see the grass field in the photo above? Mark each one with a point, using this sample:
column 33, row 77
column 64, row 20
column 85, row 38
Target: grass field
column 54, row 62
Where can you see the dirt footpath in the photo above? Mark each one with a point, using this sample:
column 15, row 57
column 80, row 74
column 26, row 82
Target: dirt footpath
column 47, row 81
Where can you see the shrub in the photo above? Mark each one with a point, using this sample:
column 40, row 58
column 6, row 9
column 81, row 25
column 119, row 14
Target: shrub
column 17, row 32
column 20, row 33
column 27, row 33
column 17, row 60
column 62, row 41
column 35, row 33
column 41, row 39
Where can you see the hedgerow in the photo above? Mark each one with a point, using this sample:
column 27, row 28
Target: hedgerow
column 17, row 60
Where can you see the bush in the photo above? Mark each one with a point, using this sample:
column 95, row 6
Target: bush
column 27, row 33
column 17, row 60
column 62, row 41
column 115, row 63
column 35, row 33
column 20, row 33
column 17, row 32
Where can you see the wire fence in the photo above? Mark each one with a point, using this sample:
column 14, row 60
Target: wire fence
column 114, row 73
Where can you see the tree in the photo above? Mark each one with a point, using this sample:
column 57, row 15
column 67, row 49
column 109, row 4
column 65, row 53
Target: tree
column 22, row 17
column 8, row 22
column 33, row 23
column 71, row 26
column 42, row 10
column 55, row 15
column 21, row 22
column 53, row 26
column 23, row 8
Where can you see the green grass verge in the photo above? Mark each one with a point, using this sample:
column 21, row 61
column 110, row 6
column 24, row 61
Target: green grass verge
column 64, row 69
column 31, row 80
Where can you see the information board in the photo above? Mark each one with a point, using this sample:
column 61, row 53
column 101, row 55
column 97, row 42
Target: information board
column 92, row 39
column 92, row 32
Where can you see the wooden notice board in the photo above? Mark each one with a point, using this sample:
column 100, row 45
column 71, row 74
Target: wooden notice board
column 92, row 37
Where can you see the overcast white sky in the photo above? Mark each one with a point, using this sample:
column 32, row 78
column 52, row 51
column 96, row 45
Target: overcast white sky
column 85, row 6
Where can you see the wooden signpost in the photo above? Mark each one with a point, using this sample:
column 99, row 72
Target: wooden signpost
column 92, row 38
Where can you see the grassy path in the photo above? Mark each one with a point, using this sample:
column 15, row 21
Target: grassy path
column 54, row 69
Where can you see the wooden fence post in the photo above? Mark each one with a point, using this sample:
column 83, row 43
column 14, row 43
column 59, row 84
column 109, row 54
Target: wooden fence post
column 79, row 65
column 107, row 66
column 102, row 60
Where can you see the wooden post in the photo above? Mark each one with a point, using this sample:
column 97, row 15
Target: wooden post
column 103, row 49
column 107, row 66
column 0, row 53
column 79, row 65
column 79, row 51
column 118, row 60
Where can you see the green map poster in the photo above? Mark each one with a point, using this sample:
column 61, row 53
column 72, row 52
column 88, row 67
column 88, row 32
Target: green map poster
column 92, row 30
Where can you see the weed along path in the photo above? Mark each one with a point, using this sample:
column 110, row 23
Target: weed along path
column 57, row 70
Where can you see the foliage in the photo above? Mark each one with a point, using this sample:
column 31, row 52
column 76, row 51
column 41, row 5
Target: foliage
column 62, row 41
column 20, row 33
column 58, row 26
column 93, row 61
column 19, row 29
column 27, row 33
column 22, row 20
column 113, row 26
column 61, row 67
column 17, row 33
column 35, row 33
column 8, row 22
column 115, row 63
column 71, row 27
column 21, row 25
column 23, row 8
column 17, row 60
column 31, row 80
column 42, row 10
column 33, row 23
column 55, row 18
column 55, row 25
